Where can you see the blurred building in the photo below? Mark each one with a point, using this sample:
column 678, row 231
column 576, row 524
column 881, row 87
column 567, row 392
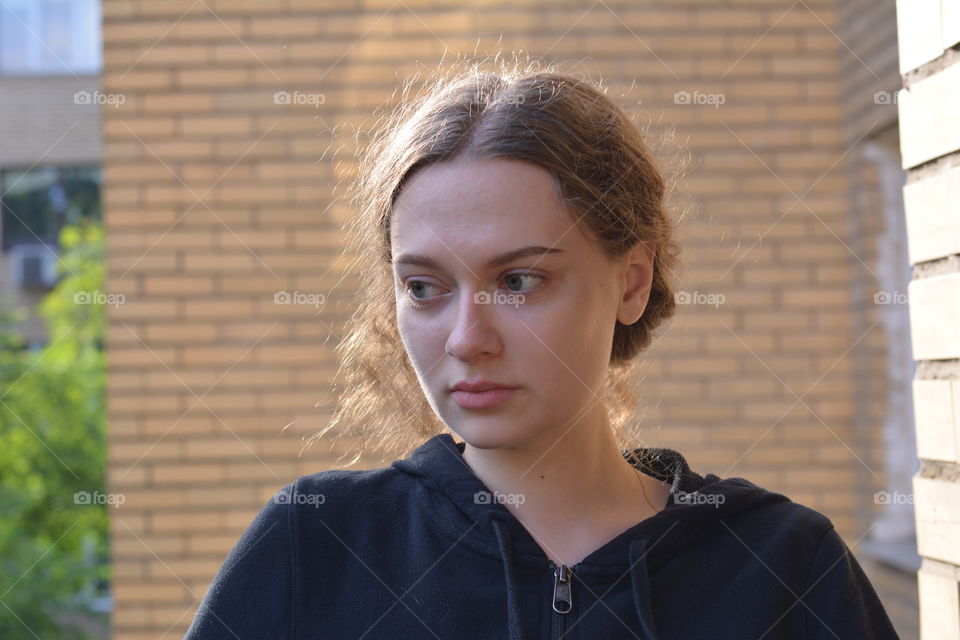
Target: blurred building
column 50, row 154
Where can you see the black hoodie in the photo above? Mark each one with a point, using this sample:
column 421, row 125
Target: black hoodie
column 423, row 549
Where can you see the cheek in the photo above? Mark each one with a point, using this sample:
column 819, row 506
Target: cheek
column 421, row 340
column 570, row 348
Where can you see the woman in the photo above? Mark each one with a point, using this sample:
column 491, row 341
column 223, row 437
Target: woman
column 520, row 223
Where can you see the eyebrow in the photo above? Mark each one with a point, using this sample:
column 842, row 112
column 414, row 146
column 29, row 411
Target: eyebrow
column 496, row 261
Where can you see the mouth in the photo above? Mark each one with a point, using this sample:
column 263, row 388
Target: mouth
column 483, row 399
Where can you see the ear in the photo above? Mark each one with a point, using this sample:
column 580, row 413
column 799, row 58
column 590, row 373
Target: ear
column 636, row 268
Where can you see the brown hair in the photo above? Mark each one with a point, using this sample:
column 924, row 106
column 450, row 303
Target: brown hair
column 530, row 112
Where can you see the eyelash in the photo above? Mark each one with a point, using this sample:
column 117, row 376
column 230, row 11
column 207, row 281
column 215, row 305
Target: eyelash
column 422, row 303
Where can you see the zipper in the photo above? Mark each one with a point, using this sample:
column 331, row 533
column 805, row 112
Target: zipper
column 562, row 599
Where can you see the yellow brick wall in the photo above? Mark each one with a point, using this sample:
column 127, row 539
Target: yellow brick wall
column 217, row 197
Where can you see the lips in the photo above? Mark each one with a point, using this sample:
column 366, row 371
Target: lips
column 476, row 386
column 482, row 399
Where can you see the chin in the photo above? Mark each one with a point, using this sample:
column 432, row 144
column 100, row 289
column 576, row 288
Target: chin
column 488, row 433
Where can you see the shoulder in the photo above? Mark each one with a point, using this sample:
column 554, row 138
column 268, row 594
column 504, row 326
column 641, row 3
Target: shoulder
column 342, row 483
column 794, row 515
column 759, row 513
column 342, row 491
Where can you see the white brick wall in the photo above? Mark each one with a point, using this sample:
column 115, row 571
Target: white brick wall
column 930, row 130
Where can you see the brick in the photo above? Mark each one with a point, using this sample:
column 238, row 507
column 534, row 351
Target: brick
column 174, row 54
column 210, row 126
column 206, row 29
column 937, row 505
column 918, row 32
column 935, row 317
column 186, row 521
column 235, row 261
column 928, row 128
column 215, row 77
column 937, row 424
column 187, row 473
column 177, row 102
column 178, row 285
column 950, row 23
column 933, row 216
column 219, row 308
column 180, row 333
column 154, row 591
column 939, row 601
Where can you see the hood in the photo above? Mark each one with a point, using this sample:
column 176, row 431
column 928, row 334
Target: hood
column 464, row 505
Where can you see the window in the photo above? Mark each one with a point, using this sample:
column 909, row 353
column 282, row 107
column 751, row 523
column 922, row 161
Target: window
column 37, row 202
column 50, row 37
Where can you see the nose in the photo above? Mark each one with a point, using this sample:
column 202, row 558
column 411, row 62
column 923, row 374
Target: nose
column 474, row 333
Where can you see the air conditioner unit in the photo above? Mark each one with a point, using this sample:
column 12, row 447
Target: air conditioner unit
column 33, row 266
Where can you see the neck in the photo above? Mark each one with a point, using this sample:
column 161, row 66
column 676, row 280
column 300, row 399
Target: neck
column 573, row 479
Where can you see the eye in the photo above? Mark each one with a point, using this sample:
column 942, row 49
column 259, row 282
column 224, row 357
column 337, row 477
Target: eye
column 518, row 277
column 415, row 287
column 419, row 291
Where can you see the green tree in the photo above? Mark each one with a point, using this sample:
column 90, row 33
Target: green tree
column 53, row 541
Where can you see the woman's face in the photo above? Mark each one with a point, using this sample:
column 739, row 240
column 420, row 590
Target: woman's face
column 545, row 322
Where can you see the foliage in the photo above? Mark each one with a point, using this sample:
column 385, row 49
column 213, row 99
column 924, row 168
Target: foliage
column 53, row 547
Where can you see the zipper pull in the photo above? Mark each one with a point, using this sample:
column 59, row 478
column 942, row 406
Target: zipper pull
column 562, row 596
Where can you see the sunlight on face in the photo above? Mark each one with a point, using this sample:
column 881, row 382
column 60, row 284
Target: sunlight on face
column 541, row 319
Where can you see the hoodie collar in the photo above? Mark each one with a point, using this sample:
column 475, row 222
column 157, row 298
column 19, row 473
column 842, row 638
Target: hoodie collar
column 459, row 502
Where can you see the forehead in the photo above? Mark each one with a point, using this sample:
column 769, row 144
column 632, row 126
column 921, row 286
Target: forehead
column 497, row 200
